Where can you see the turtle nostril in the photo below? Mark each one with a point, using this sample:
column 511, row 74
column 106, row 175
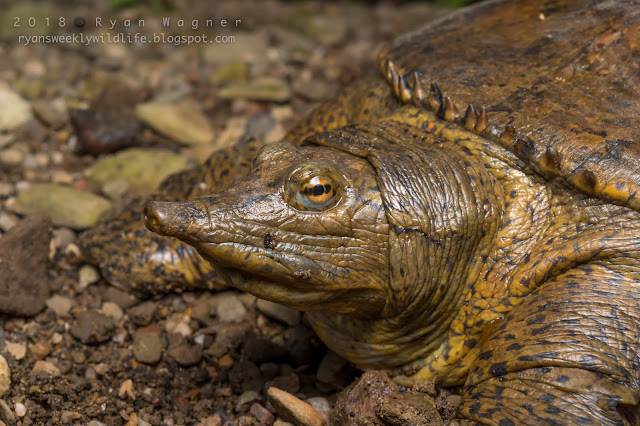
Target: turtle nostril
column 151, row 219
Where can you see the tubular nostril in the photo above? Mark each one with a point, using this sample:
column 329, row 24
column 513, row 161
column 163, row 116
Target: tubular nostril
column 151, row 219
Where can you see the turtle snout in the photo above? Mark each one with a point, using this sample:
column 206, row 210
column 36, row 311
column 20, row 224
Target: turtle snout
column 156, row 216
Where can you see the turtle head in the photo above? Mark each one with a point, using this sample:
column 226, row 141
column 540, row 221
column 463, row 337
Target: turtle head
column 306, row 228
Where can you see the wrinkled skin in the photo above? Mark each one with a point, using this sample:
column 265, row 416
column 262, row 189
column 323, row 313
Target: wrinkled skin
column 497, row 250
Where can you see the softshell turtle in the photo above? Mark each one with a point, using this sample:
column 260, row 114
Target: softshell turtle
column 471, row 216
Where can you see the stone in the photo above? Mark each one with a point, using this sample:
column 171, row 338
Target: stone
column 104, row 132
column 112, row 310
column 147, row 347
column 261, row 414
column 245, row 399
column 293, row 409
column 375, row 399
column 46, row 368
column 92, row 327
column 24, row 285
column 12, row 157
column 183, row 122
column 15, row 110
column 7, row 415
column 126, row 390
column 5, row 376
column 328, row 30
column 52, row 113
column 261, row 89
column 60, row 305
column 141, row 169
column 88, row 275
column 65, row 206
column 184, row 353
column 331, row 369
column 321, row 405
column 231, row 309
column 278, row 312
column 7, row 221
column 16, row 350
column 142, row 314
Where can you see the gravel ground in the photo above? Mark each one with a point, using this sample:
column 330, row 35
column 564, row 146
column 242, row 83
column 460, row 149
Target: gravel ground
column 83, row 125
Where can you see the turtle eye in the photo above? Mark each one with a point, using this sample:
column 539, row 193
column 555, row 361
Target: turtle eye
column 314, row 187
column 316, row 192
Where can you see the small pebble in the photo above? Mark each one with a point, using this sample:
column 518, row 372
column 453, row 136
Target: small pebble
column 45, row 367
column 226, row 362
column 88, row 275
column 184, row 353
column 178, row 323
column 278, row 312
column 126, row 390
column 147, row 347
column 5, row 376
column 261, row 414
column 231, row 309
column 7, row 415
column 112, row 310
column 7, row 189
column 60, row 305
column 11, row 157
column 16, row 350
column 291, row 408
column 92, row 327
column 7, row 221
column 321, row 404
column 245, row 399
column 39, row 350
column 142, row 314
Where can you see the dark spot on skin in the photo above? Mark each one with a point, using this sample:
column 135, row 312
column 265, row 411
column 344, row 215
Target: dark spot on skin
column 474, row 408
column 514, row 347
column 546, row 398
column 470, row 343
column 586, row 179
column 506, row 422
column 498, row 369
column 563, row 378
column 485, row 355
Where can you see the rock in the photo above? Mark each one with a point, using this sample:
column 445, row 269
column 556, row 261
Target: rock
column 24, row 286
column 278, row 312
column 39, row 350
column 375, row 400
column 16, row 350
column 261, row 414
column 245, row 399
column 142, row 169
column 119, row 297
column 52, row 113
column 112, row 310
column 60, row 305
column 314, row 90
column 235, row 72
column 142, row 314
column 147, row 347
column 7, row 189
column 179, row 324
column 39, row 160
column 327, row 29
column 183, row 122
column 12, row 157
column 261, row 89
column 64, row 205
column 249, row 47
column 88, row 275
column 104, row 132
column 6, row 414
column 20, row 409
column 293, row 409
column 92, row 327
column 246, row 376
column 7, row 221
column 5, row 376
column 331, row 369
column 226, row 362
column 321, row 405
column 231, row 309
column 287, row 382
column 184, row 353
column 15, row 110
column 45, row 368
column 126, row 390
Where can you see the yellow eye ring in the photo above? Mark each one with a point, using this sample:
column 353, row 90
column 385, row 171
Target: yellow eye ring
column 314, row 187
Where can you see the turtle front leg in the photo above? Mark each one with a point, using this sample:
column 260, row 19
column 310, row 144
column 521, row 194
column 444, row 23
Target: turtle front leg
column 569, row 354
